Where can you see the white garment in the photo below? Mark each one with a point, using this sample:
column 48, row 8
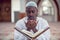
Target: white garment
column 42, row 24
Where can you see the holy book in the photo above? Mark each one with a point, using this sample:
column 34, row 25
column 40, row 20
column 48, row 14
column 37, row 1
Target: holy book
column 31, row 35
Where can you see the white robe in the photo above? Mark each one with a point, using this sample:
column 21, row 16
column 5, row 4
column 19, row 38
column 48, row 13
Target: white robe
column 42, row 24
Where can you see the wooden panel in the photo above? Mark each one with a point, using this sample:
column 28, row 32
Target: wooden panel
column 22, row 15
column 58, row 9
column 0, row 12
column 5, row 15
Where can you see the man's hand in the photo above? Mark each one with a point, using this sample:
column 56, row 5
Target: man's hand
column 31, row 39
column 34, row 30
column 31, row 24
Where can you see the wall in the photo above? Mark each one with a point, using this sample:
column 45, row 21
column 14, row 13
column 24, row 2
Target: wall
column 49, row 18
column 22, row 5
column 17, row 5
column 58, row 1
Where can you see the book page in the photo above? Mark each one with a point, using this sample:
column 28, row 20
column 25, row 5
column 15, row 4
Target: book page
column 31, row 35
column 27, row 32
column 40, row 32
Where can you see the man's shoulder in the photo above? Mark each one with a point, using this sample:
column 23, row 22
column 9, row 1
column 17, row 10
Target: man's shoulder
column 43, row 22
column 41, row 19
column 21, row 20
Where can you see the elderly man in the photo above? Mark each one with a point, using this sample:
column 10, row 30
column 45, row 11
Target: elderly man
column 32, row 23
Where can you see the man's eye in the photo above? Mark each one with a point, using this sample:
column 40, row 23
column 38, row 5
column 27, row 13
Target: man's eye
column 33, row 11
column 28, row 12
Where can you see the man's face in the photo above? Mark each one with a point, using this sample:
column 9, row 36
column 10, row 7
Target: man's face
column 32, row 12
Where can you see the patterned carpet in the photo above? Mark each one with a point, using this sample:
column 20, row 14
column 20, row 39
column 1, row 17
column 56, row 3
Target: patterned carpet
column 7, row 30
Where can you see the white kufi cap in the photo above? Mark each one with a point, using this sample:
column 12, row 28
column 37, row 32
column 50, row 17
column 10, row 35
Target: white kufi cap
column 31, row 3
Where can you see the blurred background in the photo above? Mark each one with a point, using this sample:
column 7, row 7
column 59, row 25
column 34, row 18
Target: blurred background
column 13, row 10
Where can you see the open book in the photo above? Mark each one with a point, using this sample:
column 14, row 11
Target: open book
column 29, row 34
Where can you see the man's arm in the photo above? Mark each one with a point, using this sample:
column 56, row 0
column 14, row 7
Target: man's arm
column 18, row 35
column 46, row 35
column 31, row 25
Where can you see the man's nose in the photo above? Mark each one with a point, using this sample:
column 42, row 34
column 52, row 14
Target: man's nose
column 31, row 14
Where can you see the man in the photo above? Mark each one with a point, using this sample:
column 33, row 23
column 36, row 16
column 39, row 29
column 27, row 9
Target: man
column 32, row 23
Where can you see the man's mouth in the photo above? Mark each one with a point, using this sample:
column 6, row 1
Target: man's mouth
column 31, row 18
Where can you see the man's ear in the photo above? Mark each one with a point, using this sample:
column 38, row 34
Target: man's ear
column 37, row 10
